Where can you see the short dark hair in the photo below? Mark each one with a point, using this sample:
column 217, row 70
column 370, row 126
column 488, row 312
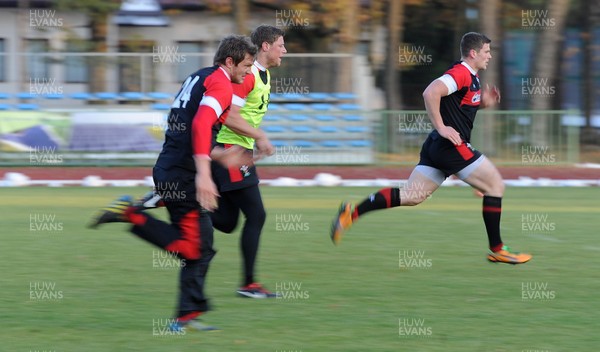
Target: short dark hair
column 472, row 41
column 266, row 33
column 236, row 47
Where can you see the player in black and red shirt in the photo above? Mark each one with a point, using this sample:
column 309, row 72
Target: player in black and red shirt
column 182, row 175
column 451, row 102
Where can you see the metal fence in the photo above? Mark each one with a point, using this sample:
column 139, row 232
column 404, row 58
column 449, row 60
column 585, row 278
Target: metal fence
column 528, row 138
column 508, row 137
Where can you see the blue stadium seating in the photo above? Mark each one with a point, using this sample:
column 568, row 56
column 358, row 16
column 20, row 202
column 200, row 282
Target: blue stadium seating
column 348, row 107
column 277, row 143
column 28, row 107
column 303, row 144
column 106, row 96
column 344, row 96
column 325, row 117
column 331, row 144
column 360, row 143
column 5, row 107
column 160, row 106
column 316, row 96
column 274, row 129
column 81, row 96
column 159, row 95
column 321, row 106
column 352, row 118
column 132, row 95
column 272, row 118
column 26, row 95
column 4, row 95
column 302, row 129
column 297, row 117
column 293, row 96
column 295, row 107
column 357, row 129
column 329, row 129
column 54, row 96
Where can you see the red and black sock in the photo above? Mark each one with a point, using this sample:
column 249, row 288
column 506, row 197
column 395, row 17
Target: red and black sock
column 186, row 316
column 383, row 199
column 492, row 210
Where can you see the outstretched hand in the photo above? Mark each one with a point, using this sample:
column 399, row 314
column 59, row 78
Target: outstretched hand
column 234, row 156
column 490, row 96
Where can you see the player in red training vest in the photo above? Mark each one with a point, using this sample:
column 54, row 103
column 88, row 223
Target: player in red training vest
column 451, row 102
column 183, row 179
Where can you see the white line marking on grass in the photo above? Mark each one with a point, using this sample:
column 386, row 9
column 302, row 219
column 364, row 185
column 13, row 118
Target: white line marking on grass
column 544, row 237
column 591, row 248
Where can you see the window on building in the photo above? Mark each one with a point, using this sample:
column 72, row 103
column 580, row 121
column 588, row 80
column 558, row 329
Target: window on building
column 189, row 60
column 76, row 68
column 37, row 59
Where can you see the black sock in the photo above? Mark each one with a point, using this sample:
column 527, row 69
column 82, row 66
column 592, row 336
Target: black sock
column 383, row 199
column 492, row 210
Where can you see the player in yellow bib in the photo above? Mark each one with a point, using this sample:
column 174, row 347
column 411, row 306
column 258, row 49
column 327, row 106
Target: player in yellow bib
column 238, row 186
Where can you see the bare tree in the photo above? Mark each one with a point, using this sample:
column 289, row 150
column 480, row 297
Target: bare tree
column 240, row 14
column 545, row 64
column 488, row 10
column 98, row 12
column 395, row 26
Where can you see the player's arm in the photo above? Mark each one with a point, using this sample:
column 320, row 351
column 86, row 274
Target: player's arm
column 213, row 106
column 432, row 97
column 490, row 97
column 239, row 125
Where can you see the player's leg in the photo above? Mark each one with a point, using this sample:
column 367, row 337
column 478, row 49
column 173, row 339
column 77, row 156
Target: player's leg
column 225, row 217
column 155, row 231
column 485, row 177
column 192, row 278
column 250, row 202
column 423, row 181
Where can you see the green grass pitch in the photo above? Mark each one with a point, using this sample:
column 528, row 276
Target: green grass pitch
column 407, row 279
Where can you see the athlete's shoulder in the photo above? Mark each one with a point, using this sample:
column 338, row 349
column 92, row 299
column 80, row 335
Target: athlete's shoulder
column 460, row 73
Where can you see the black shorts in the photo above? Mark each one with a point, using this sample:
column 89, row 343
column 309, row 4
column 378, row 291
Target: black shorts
column 175, row 184
column 230, row 179
column 441, row 154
